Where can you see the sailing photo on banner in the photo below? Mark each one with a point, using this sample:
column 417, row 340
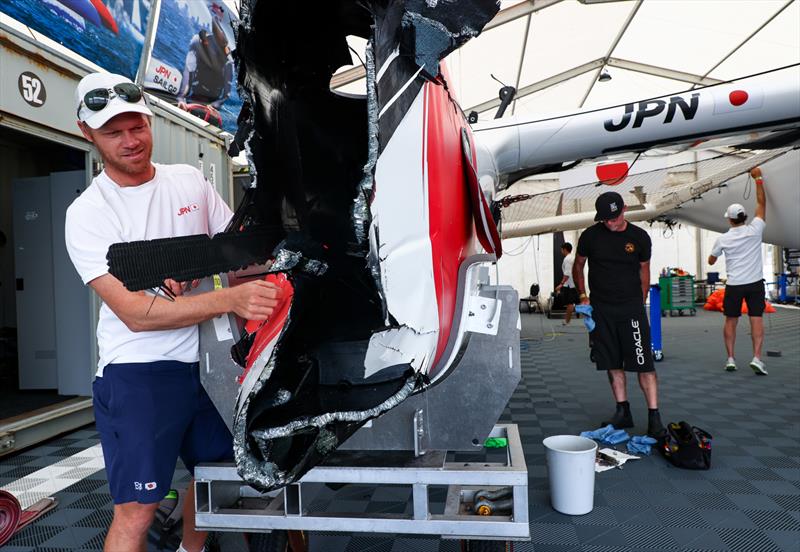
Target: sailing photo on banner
column 109, row 33
column 192, row 62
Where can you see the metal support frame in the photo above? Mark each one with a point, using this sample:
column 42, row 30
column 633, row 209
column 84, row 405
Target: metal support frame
column 224, row 503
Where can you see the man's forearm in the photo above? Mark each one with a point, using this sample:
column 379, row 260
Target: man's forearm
column 577, row 276
column 186, row 310
column 148, row 313
column 140, row 311
column 644, row 276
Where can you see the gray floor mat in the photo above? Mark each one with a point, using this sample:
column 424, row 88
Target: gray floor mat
column 748, row 502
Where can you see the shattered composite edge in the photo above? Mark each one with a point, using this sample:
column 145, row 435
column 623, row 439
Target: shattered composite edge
column 378, row 204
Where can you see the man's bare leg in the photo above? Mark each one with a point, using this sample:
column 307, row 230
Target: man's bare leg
column 757, row 329
column 729, row 332
column 648, row 381
column 128, row 531
column 617, row 380
column 193, row 541
column 622, row 414
column 570, row 310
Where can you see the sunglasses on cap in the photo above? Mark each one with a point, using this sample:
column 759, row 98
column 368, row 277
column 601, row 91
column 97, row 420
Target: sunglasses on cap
column 97, row 99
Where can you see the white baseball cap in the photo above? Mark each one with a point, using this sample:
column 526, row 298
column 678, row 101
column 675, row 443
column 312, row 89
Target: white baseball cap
column 115, row 104
column 734, row 210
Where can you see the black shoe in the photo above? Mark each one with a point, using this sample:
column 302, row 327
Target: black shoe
column 621, row 419
column 655, row 428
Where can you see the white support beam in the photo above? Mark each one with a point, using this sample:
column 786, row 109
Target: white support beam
column 594, row 65
column 542, row 84
column 751, row 35
column 613, row 47
column 528, row 25
column 503, row 16
column 661, row 72
column 518, row 10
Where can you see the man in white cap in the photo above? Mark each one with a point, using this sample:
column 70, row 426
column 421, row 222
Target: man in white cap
column 149, row 405
column 741, row 245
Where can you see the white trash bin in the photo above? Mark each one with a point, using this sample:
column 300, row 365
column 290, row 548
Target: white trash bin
column 570, row 466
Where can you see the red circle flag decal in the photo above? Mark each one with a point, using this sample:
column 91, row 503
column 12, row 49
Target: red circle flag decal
column 738, row 97
column 612, row 173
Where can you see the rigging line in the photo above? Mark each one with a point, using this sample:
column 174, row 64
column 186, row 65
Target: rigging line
column 521, row 249
column 748, row 188
column 568, row 115
column 593, row 184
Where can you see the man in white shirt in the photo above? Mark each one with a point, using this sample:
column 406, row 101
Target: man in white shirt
column 149, row 404
column 567, row 286
column 741, row 245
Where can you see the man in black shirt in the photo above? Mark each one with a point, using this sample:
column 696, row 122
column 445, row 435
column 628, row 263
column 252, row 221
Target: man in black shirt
column 619, row 279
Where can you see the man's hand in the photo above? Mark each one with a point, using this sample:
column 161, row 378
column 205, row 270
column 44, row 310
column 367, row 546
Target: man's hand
column 254, row 300
column 761, row 196
column 179, row 288
column 558, row 289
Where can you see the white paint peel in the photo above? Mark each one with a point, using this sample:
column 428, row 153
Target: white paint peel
column 399, row 346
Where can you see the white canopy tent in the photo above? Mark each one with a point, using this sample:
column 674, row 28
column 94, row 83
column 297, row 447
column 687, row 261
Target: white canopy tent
column 553, row 51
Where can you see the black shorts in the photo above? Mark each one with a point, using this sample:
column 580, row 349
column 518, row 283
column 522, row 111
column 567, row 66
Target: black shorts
column 753, row 294
column 569, row 295
column 621, row 338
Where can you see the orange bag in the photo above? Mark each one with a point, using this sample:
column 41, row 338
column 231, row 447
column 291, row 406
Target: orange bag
column 714, row 303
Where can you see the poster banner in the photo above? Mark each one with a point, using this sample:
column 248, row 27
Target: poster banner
column 109, row 33
column 191, row 63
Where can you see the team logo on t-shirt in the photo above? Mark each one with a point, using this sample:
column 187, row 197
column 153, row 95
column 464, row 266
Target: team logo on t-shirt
column 629, row 247
column 188, row 209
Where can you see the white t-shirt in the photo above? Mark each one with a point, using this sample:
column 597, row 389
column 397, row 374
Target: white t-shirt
column 178, row 201
column 566, row 268
column 742, row 248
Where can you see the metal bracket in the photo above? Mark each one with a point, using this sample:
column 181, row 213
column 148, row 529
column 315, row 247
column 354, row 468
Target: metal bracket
column 419, row 432
column 7, row 441
column 484, row 315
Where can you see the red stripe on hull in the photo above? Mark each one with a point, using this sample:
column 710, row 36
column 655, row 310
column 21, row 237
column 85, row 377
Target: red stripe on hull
column 449, row 206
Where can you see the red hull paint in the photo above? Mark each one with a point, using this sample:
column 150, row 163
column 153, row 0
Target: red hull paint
column 266, row 331
column 449, row 205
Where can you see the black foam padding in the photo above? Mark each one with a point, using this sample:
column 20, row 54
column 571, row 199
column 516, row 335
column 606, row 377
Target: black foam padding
column 146, row 264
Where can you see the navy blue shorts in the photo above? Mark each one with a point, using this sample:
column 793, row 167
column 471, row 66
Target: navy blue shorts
column 148, row 414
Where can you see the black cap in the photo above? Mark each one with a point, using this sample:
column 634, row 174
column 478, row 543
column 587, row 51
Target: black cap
column 608, row 206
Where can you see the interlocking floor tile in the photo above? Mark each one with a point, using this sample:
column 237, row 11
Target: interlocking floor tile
column 748, row 502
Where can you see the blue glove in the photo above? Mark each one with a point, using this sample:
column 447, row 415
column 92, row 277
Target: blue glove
column 641, row 444
column 607, row 435
column 586, row 311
